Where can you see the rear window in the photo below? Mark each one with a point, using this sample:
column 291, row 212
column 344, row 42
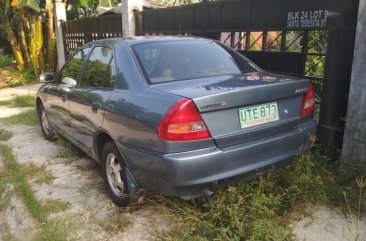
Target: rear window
column 180, row 60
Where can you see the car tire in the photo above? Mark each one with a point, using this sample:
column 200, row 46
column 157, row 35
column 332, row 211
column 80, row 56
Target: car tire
column 47, row 130
column 114, row 175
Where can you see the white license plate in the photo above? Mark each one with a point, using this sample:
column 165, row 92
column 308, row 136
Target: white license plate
column 258, row 114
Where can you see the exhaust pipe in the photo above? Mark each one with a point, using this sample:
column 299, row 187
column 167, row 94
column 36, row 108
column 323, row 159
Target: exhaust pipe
column 207, row 193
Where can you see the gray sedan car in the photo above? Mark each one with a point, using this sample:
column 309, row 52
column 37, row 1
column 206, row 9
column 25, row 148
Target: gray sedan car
column 174, row 115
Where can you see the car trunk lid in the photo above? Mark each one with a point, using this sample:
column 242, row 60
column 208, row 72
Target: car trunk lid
column 227, row 104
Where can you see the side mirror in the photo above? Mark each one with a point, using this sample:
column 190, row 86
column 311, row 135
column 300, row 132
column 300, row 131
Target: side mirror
column 46, row 77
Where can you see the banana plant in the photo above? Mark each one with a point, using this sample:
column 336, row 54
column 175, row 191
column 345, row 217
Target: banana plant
column 14, row 43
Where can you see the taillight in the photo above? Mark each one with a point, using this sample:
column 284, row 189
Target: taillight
column 308, row 102
column 183, row 122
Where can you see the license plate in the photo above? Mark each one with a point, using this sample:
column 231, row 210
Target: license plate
column 258, row 114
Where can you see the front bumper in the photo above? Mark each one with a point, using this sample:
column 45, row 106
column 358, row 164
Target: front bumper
column 187, row 173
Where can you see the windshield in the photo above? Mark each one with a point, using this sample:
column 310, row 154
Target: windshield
column 188, row 59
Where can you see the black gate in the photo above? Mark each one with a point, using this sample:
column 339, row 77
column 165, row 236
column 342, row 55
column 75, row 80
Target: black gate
column 81, row 31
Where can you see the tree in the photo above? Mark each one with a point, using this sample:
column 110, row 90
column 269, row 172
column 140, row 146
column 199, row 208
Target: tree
column 30, row 33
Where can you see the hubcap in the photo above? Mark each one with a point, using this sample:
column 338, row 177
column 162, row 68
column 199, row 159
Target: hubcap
column 44, row 121
column 113, row 169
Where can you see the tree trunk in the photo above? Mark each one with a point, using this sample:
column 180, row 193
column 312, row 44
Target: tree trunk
column 23, row 41
column 17, row 52
column 50, row 37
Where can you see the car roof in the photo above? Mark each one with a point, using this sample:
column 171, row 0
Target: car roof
column 144, row 39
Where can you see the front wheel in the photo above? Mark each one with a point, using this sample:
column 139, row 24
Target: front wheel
column 114, row 175
column 47, row 130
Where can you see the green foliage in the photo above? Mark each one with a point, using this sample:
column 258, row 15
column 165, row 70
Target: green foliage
column 6, row 61
column 32, row 4
column 260, row 209
column 26, row 76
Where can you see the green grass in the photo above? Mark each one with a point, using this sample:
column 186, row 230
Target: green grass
column 50, row 229
column 24, row 101
column 5, row 134
column 38, row 174
column 69, row 150
column 26, row 118
column 6, row 102
column 55, row 206
column 263, row 208
column 20, row 101
column 5, row 189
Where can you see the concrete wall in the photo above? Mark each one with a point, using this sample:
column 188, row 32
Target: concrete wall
column 354, row 142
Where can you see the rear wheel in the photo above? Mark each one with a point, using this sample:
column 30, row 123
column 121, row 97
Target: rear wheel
column 114, row 175
column 47, row 130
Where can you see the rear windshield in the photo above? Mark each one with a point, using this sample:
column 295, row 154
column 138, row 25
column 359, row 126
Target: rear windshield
column 188, row 59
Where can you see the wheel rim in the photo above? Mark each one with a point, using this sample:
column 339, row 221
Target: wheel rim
column 114, row 171
column 44, row 121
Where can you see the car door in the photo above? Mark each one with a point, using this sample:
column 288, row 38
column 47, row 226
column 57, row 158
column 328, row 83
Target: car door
column 58, row 94
column 88, row 100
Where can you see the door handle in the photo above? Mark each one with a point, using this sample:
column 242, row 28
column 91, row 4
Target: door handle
column 96, row 106
column 64, row 97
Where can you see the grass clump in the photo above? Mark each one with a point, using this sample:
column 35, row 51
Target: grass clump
column 26, row 118
column 56, row 206
column 69, row 151
column 38, row 174
column 115, row 221
column 5, row 189
column 5, row 134
column 24, row 101
column 263, row 208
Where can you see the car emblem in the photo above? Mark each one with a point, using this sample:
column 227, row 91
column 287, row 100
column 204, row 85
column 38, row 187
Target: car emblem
column 303, row 90
column 214, row 105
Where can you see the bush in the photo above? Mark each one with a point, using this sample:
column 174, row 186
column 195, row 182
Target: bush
column 6, row 61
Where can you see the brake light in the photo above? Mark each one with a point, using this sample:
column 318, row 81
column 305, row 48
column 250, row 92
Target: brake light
column 308, row 102
column 183, row 122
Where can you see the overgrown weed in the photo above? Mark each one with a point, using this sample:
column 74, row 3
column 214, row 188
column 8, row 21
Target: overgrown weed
column 261, row 209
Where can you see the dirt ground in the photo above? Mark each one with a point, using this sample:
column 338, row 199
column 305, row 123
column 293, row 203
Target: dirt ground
column 76, row 183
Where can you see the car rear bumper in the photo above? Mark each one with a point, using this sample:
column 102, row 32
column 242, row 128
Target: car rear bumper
column 188, row 173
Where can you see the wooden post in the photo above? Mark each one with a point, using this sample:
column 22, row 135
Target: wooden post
column 128, row 16
column 60, row 16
